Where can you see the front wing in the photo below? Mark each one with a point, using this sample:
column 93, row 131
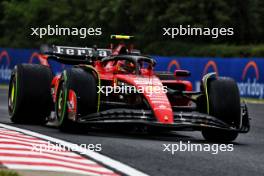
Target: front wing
column 182, row 120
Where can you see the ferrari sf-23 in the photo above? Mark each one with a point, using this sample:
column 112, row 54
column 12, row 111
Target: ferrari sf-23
column 88, row 94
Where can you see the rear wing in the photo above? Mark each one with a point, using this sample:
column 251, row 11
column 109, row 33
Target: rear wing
column 74, row 55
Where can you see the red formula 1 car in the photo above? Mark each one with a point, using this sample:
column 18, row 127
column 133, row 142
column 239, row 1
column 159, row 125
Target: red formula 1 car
column 118, row 88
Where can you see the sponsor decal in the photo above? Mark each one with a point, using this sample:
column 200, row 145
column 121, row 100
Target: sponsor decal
column 42, row 59
column 211, row 64
column 173, row 63
column 249, row 65
column 251, row 87
column 77, row 51
column 5, row 71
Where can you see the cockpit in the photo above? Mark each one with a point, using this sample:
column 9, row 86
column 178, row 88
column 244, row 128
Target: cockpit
column 131, row 64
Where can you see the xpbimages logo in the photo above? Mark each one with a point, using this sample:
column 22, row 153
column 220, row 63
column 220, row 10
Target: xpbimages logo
column 182, row 30
column 193, row 147
column 129, row 89
column 65, row 31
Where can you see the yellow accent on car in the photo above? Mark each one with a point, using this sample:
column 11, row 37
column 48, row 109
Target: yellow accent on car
column 122, row 37
column 205, row 79
column 12, row 93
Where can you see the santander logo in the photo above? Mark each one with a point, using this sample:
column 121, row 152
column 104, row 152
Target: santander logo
column 210, row 64
column 172, row 64
column 249, row 85
column 42, row 59
column 5, row 71
column 250, row 64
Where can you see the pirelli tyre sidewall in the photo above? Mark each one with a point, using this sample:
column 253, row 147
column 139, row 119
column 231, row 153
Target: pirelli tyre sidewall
column 12, row 93
column 29, row 96
column 83, row 84
column 224, row 104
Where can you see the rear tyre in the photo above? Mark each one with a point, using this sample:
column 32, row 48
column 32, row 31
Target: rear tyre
column 83, row 84
column 29, row 95
column 224, row 103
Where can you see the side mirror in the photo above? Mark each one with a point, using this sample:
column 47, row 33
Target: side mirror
column 182, row 73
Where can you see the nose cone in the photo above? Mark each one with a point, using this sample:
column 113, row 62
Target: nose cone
column 161, row 106
column 155, row 94
column 163, row 113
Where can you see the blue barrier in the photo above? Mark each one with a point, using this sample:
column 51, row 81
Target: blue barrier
column 247, row 71
column 11, row 57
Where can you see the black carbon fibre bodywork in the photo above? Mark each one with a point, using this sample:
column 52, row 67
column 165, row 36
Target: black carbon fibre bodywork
column 183, row 120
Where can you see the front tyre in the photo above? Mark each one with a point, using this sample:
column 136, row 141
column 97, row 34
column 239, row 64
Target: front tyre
column 76, row 97
column 224, row 104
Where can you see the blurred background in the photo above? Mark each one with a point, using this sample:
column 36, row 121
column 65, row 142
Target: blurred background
column 141, row 18
column 240, row 56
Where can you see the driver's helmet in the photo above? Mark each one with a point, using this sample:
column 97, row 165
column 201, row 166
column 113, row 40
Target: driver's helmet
column 127, row 67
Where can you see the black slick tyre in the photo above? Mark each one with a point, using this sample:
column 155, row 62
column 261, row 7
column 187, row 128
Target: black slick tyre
column 84, row 85
column 224, row 104
column 29, row 95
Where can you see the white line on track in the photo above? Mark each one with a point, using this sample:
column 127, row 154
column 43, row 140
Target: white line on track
column 47, row 155
column 15, row 138
column 29, row 148
column 42, row 161
column 8, row 140
column 90, row 154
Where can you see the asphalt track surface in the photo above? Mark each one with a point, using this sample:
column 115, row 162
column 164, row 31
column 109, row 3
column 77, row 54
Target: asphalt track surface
column 145, row 152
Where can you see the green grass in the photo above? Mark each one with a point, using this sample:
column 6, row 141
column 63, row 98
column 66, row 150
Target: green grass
column 253, row 100
column 3, row 86
column 8, row 173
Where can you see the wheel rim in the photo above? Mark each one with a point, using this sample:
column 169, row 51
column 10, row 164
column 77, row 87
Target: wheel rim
column 61, row 103
column 12, row 96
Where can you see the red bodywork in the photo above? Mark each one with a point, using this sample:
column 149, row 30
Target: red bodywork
column 158, row 101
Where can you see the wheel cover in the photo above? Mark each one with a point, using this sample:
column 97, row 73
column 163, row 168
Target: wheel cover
column 61, row 103
column 12, row 93
column 12, row 96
